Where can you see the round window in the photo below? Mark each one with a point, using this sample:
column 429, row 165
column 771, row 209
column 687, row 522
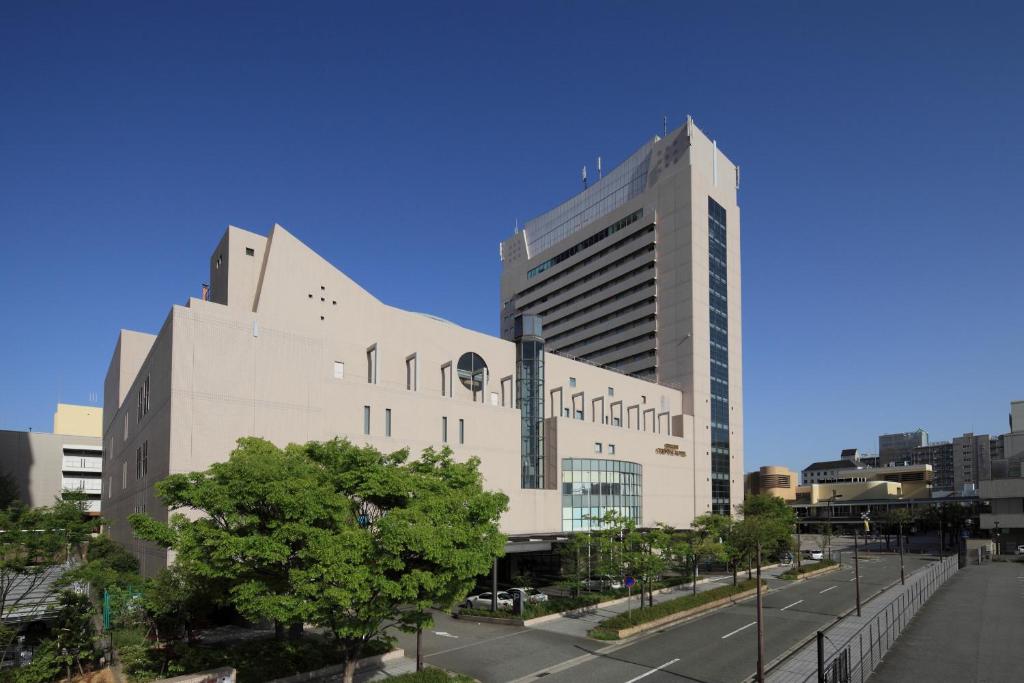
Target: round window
column 471, row 371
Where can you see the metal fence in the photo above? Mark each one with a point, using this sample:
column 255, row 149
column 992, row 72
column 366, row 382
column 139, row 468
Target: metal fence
column 857, row 654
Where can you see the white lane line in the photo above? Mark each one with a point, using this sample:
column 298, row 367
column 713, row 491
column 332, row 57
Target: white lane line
column 793, row 605
column 738, row 630
column 827, row 590
column 657, row 668
column 853, row 579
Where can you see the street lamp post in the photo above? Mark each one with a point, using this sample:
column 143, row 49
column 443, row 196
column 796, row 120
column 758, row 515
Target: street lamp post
column 903, row 578
column 830, row 526
column 799, row 547
column 996, row 536
column 856, row 568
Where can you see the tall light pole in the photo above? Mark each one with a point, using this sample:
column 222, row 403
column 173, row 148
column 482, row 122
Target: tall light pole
column 831, row 531
column 996, row 536
column 760, row 619
column 799, row 546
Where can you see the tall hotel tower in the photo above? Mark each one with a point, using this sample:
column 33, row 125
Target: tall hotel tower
column 640, row 273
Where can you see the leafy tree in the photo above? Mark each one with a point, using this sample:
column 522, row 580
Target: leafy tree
column 74, row 631
column 34, row 543
column 107, row 563
column 340, row 536
column 706, row 542
column 766, row 525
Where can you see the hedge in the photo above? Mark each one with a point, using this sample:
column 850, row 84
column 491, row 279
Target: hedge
column 805, row 568
column 669, row 607
column 430, row 675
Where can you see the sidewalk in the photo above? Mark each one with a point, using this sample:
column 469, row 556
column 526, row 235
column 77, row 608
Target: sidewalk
column 579, row 625
column 982, row 607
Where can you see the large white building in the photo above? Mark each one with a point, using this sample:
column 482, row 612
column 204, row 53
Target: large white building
column 288, row 348
column 640, row 272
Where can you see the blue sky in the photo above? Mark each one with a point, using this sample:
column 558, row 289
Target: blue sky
column 879, row 145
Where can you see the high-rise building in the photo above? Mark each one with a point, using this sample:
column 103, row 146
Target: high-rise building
column 938, row 454
column 897, row 449
column 640, row 273
column 972, row 461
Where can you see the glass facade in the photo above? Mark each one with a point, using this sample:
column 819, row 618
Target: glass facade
column 530, row 398
column 719, row 334
column 592, row 487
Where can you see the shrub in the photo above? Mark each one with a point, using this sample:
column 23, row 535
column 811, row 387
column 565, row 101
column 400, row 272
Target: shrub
column 669, row 607
column 805, row 568
column 431, row 676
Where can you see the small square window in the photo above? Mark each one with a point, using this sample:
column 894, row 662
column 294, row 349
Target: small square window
column 611, row 449
column 572, row 382
column 611, row 391
column 339, row 369
column 597, row 447
column 249, row 251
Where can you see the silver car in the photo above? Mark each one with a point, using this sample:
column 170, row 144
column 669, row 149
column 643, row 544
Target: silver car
column 483, row 601
column 529, row 594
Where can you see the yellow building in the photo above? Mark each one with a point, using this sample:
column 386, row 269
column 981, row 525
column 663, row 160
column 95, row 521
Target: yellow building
column 78, row 420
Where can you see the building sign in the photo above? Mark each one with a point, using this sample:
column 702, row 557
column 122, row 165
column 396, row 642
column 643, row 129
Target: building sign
column 670, row 449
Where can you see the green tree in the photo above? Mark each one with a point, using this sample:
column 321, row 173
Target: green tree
column 344, row 537
column 74, row 632
column 765, row 526
column 706, row 543
column 35, row 543
column 107, row 563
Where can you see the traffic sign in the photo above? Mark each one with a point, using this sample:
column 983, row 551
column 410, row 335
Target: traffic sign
column 630, row 582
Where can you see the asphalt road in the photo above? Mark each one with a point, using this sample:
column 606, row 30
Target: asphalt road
column 717, row 648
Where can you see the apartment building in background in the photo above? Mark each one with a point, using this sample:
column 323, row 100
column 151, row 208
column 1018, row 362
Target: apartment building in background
column 42, row 464
column 640, row 273
column 1004, row 489
column 287, row 347
column 897, row 449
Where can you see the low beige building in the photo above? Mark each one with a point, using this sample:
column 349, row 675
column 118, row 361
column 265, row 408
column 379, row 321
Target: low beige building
column 772, row 480
column 288, row 348
column 42, row 465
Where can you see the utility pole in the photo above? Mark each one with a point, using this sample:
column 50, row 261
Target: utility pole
column 856, row 568
column 799, row 547
column 760, row 621
column 903, row 577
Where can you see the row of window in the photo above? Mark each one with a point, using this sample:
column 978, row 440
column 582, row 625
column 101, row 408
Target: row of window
column 575, row 302
column 143, row 407
column 587, row 243
column 719, row 365
column 555, row 290
column 367, row 425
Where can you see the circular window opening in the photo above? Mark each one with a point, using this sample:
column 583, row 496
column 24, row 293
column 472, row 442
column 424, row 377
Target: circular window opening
column 471, row 370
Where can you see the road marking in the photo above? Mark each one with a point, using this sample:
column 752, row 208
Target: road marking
column 737, row 630
column 444, row 634
column 853, row 579
column 657, row 668
column 793, row 605
column 827, row 590
column 479, row 642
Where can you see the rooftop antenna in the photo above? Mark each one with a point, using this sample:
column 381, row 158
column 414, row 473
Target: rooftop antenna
column 584, row 177
column 599, row 174
column 664, row 126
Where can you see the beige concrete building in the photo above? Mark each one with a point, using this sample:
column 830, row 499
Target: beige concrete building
column 640, row 272
column 1003, row 489
column 771, row 480
column 290, row 349
column 871, row 483
column 44, row 464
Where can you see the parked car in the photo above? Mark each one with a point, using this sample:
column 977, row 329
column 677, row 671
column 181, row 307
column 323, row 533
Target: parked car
column 602, row 583
column 814, row 555
column 483, row 601
column 528, row 594
column 1020, row 550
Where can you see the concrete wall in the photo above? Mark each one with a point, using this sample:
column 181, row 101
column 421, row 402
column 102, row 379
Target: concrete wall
column 296, row 369
column 34, row 461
